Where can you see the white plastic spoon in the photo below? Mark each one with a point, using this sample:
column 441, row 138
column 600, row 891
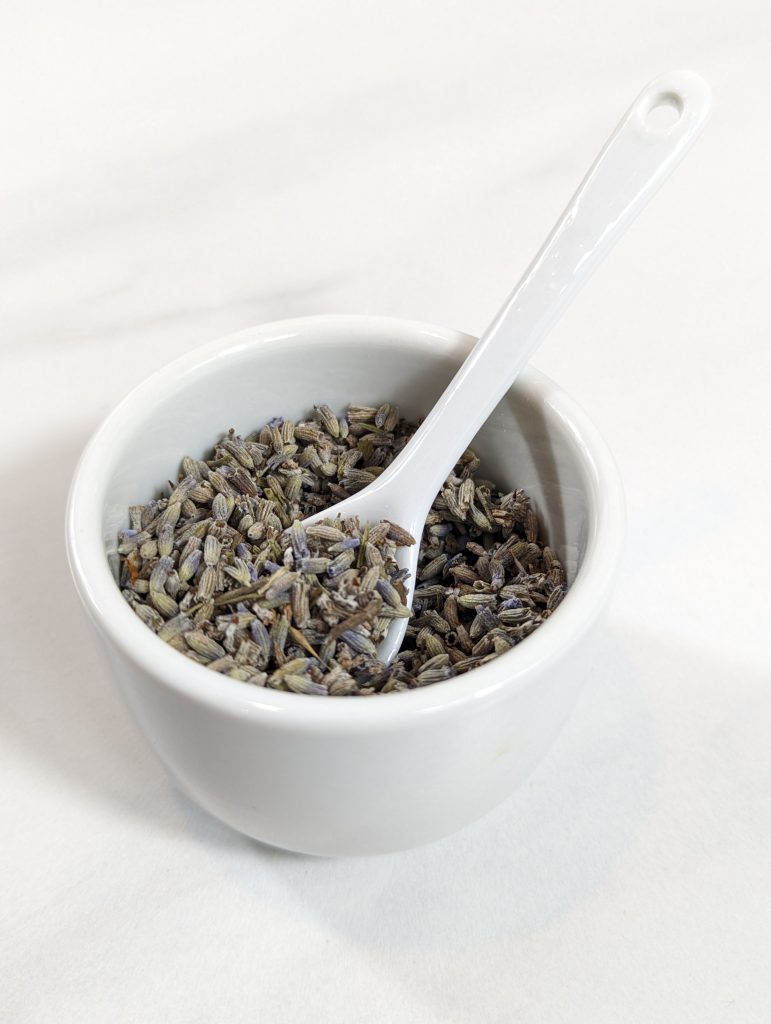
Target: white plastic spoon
column 652, row 138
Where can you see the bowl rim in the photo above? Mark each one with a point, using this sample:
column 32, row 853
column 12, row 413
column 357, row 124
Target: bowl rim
column 115, row 620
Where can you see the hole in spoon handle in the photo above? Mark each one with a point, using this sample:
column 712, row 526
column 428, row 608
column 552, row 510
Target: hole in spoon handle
column 673, row 107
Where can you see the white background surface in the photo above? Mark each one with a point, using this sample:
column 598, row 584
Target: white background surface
column 172, row 172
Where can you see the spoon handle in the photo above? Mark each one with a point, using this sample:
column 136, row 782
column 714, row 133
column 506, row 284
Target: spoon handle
column 636, row 160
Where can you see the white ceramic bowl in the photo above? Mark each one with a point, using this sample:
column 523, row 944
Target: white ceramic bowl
column 347, row 775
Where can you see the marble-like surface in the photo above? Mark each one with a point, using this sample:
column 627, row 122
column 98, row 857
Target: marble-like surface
column 172, row 172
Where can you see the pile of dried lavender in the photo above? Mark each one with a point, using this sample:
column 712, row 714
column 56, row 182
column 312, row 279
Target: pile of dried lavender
column 224, row 572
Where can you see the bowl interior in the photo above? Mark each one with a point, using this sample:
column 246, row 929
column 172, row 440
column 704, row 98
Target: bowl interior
column 263, row 373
